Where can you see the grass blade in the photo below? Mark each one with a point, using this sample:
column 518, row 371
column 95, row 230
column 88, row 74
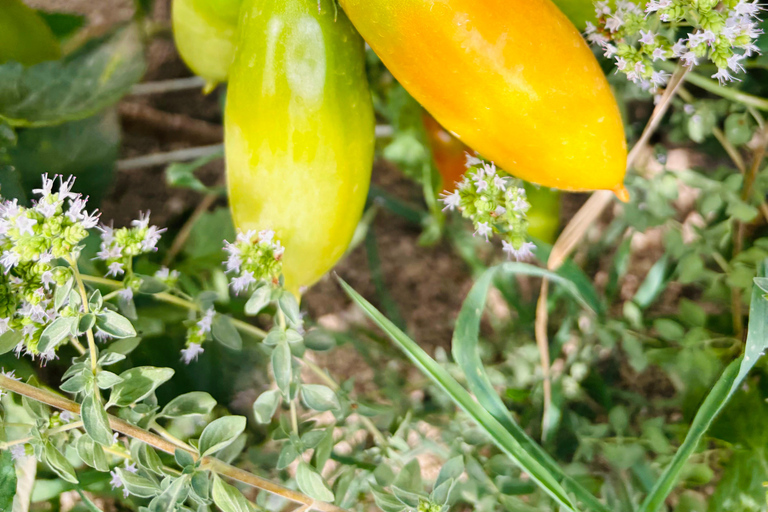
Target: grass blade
column 500, row 436
column 467, row 356
column 723, row 390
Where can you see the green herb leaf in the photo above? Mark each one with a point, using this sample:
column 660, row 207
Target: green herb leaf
column 312, row 484
column 95, row 421
column 227, row 497
column 196, row 403
column 220, row 433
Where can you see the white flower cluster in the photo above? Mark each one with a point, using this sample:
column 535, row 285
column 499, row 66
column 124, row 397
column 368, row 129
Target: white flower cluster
column 723, row 33
column 254, row 257
column 197, row 334
column 120, row 246
column 495, row 204
column 31, row 240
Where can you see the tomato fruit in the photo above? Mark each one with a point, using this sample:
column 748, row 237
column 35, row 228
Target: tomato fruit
column 24, row 36
column 448, row 152
column 205, row 32
column 544, row 215
column 578, row 11
column 450, row 157
column 299, row 132
column 513, row 79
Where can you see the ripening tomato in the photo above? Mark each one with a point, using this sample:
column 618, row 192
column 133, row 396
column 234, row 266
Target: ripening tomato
column 299, row 130
column 24, row 36
column 448, row 152
column 205, row 32
column 513, row 79
column 450, row 157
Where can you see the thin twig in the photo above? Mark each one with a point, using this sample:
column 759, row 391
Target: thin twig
column 169, row 125
column 163, row 86
column 180, row 155
column 580, row 223
column 157, row 442
column 186, row 229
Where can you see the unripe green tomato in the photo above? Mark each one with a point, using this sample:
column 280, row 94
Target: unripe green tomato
column 205, row 32
column 24, row 35
column 578, row 11
column 544, row 214
column 299, row 131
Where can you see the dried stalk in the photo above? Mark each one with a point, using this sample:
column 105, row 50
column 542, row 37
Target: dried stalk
column 584, row 218
column 157, row 442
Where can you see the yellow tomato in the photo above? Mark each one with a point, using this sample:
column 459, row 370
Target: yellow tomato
column 513, row 79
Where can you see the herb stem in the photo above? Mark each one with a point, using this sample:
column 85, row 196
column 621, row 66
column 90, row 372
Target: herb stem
column 84, row 296
column 53, row 431
column 157, row 442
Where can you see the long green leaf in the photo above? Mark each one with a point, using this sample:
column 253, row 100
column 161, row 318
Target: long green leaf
column 467, row 356
column 498, row 434
column 723, row 390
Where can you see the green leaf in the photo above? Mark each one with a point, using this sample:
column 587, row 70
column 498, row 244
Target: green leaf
column 281, row 366
column 87, row 149
column 196, row 403
column 220, row 433
column 115, row 324
column 85, row 82
column 138, row 485
column 319, row 398
column 95, row 421
column 56, row 332
column 290, row 308
column 265, row 406
column 175, row 493
column 467, row 356
column 721, row 393
column 61, row 293
column 138, row 383
column 227, row 497
column 7, row 480
column 451, row 470
column 324, row 448
column 312, row 484
column 224, row 331
column 150, row 460
column 106, row 380
column 409, row 478
column 9, row 340
column 182, row 174
column 183, row 458
column 124, row 346
column 530, row 462
column 58, row 463
column 259, row 300
column 62, row 24
column 91, row 453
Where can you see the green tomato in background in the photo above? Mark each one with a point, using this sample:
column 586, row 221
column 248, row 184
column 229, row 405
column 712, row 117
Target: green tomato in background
column 578, row 11
column 544, row 215
column 205, row 32
column 24, row 36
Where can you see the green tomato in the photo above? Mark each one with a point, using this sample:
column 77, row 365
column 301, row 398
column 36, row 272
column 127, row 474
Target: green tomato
column 578, row 11
column 544, row 215
column 205, row 32
column 24, row 36
column 299, row 131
